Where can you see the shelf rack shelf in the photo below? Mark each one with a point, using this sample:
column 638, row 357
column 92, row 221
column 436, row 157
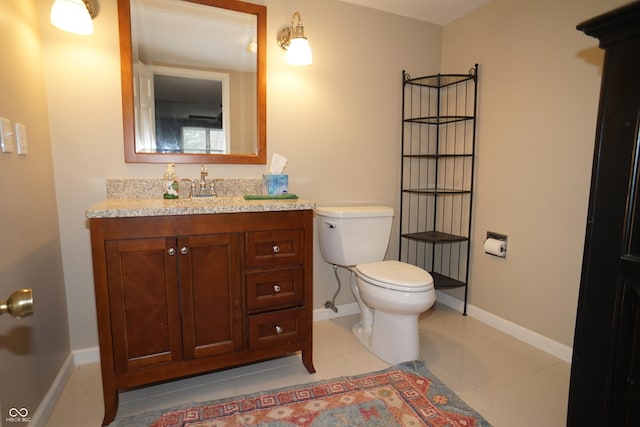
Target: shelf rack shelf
column 438, row 158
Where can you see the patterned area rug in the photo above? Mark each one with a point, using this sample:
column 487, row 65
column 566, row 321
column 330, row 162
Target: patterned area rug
column 402, row 395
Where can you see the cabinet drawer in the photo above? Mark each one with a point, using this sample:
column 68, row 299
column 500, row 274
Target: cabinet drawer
column 272, row 248
column 275, row 289
column 277, row 328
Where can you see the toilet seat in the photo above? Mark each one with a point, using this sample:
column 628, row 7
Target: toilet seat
column 395, row 275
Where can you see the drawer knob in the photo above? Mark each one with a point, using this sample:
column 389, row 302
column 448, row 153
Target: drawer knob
column 184, row 250
column 276, row 288
column 278, row 329
column 171, row 251
column 276, row 249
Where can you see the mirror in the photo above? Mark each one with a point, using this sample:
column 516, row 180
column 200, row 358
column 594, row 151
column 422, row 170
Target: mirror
column 193, row 81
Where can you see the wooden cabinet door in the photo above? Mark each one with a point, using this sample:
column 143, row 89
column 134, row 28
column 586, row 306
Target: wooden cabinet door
column 210, row 284
column 143, row 300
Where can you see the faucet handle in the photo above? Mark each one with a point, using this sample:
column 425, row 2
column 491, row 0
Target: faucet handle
column 212, row 186
column 193, row 185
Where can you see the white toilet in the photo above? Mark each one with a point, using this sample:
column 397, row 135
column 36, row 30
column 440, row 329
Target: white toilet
column 391, row 294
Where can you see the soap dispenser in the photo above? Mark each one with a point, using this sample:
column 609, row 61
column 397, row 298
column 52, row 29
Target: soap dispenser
column 170, row 183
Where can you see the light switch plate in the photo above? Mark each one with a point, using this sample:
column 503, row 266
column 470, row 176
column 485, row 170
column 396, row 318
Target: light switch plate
column 6, row 136
column 21, row 138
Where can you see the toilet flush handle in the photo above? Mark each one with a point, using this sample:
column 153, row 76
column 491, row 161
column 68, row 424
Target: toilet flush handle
column 330, row 225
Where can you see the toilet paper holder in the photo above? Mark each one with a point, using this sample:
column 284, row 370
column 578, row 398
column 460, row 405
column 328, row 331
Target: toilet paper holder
column 491, row 248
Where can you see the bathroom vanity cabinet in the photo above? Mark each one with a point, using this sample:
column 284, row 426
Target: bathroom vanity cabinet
column 438, row 151
column 178, row 295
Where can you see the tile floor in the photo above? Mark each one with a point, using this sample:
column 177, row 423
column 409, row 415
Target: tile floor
column 509, row 382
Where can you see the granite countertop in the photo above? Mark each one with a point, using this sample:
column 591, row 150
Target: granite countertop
column 136, row 197
column 117, row 208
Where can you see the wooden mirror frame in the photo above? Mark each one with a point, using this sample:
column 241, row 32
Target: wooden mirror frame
column 128, row 119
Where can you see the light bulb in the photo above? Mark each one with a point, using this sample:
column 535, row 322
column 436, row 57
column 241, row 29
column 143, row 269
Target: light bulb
column 71, row 16
column 299, row 52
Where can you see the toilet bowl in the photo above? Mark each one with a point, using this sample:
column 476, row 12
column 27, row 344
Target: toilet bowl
column 390, row 294
column 396, row 293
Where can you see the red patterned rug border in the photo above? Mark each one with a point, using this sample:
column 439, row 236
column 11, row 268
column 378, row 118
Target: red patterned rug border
column 420, row 394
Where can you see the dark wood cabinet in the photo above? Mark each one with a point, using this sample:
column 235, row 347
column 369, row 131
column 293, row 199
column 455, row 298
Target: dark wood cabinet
column 605, row 370
column 181, row 295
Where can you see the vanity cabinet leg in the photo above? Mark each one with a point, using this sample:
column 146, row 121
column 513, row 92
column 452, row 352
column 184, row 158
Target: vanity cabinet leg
column 307, row 359
column 110, row 406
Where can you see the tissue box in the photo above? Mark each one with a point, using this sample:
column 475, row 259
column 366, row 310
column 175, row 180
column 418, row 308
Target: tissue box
column 275, row 184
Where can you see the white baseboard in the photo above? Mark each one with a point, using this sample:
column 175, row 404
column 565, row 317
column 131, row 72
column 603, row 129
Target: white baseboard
column 85, row 356
column 343, row 310
column 532, row 338
column 40, row 417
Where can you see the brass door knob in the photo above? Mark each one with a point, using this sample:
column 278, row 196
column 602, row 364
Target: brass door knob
column 19, row 303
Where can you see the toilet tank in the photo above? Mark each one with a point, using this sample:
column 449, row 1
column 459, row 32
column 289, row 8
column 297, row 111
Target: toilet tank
column 351, row 235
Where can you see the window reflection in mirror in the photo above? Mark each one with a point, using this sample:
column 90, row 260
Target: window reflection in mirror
column 186, row 111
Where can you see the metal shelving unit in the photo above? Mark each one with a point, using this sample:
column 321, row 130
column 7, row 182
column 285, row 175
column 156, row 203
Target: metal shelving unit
column 438, row 158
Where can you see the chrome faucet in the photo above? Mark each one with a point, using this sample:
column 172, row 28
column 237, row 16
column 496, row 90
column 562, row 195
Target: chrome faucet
column 205, row 189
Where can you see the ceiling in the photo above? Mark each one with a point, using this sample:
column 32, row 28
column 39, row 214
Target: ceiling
column 439, row 12
column 192, row 35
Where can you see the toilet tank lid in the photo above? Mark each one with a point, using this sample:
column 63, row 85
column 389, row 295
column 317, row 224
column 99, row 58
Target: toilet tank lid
column 354, row 211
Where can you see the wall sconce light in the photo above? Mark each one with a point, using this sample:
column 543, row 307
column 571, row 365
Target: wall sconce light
column 19, row 303
column 292, row 40
column 74, row 16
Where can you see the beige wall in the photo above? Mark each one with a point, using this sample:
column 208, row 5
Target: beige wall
column 31, row 349
column 337, row 121
column 538, row 98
